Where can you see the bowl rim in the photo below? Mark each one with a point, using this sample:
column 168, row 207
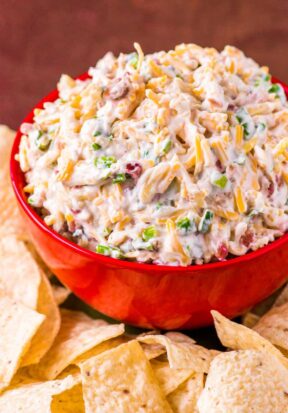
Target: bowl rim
column 17, row 179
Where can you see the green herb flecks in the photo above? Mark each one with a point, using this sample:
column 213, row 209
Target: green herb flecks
column 206, row 221
column 148, row 233
column 278, row 90
column 246, row 121
column 96, row 146
column 105, row 161
column 185, row 225
column 119, row 178
column 167, row 145
column 220, row 181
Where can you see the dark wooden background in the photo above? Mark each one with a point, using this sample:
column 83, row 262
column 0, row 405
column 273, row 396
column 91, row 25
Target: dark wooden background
column 39, row 39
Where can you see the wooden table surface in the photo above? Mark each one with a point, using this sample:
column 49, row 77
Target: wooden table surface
column 40, row 39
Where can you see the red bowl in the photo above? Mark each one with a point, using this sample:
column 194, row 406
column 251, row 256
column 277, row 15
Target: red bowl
column 148, row 295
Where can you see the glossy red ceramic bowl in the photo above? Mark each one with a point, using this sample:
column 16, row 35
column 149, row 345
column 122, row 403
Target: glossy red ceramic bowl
column 148, row 295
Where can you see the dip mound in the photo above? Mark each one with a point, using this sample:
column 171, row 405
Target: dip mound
column 172, row 158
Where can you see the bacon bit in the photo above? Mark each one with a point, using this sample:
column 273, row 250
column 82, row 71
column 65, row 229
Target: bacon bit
column 71, row 226
column 219, row 166
column 134, row 170
column 119, row 89
column 231, row 107
column 270, row 189
column 76, row 211
column 222, row 252
column 247, row 238
column 279, row 180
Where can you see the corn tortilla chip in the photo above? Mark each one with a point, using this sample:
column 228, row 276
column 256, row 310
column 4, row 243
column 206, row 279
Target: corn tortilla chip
column 78, row 334
column 59, row 396
column 122, row 380
column 18, row 325
column 184, row 398
column 7, row 137
column 23, row 280
column 169, row 379
column 245, row 381
column 46, row 334
column 10, row 220
column 183, row 354
column 239, row 337
column 17, row 270
column 41, row 264
column 153, row 351
column 60, row 294
column 100, row 348
column 274, row 326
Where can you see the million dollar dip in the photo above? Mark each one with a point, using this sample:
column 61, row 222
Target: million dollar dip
column 173, row 158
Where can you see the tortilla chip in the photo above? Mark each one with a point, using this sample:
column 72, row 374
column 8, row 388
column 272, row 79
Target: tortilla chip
column 18, row 325
column 239, row 337
column 23, row 280
column 59, row 396
column 78, row 334
column 60, row 294
column 10, row 219
column 48, row 331
column 169, row 379
column 41, row 264
column 250, row 319
column 274, row 326
column 183, row 354
column 245, row 381
column 122, row 380
column 69, row 401
column 17, row 271
column 184, row 398
column 153, row 351
column 7, row 136
column 100, row 348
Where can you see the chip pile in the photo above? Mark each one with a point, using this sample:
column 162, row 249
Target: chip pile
column 62, row 361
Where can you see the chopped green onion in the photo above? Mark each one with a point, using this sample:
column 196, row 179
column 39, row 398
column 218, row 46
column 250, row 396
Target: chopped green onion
column 167, row 145
column 260, row 127
column 116, row 252
column 158, row 205
column 279, row 92
column 96, row 146
column 30, row 200
column 179, row 76
column 185, row 224
column 119, row 178
column 148, row 233
column 267, row 77
column 246, row 121
column 105, row 161
column 103, row 249
column 206, row 221
column 134, row 60
column 220, row 181
column 110, row 137
column 253, row 213
column 262, row 80
column 97, row 133
column 42, row 141
column 107, row 231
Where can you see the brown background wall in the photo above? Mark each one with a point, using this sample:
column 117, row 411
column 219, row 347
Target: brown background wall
column 39, row 40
